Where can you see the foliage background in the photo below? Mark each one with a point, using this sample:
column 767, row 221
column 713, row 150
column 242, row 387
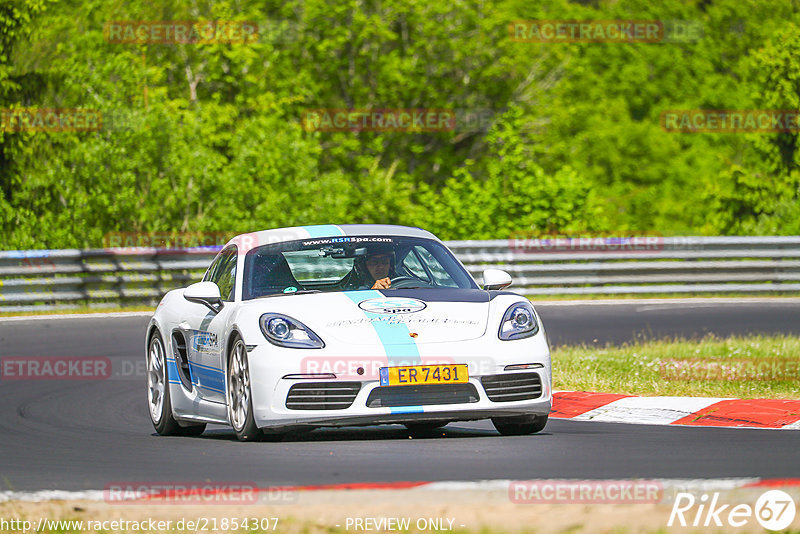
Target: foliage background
column 208, row 137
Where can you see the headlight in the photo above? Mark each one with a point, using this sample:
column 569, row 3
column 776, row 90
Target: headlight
column 518, row 322
column 284, row 331
column 278, row 328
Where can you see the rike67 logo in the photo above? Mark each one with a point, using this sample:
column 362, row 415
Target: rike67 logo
column 774, row 510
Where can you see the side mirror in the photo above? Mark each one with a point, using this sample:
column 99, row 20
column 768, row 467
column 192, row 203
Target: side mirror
column 496, row 279
column 205, row 293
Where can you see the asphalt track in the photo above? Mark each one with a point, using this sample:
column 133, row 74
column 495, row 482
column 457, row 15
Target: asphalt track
column 75, row 435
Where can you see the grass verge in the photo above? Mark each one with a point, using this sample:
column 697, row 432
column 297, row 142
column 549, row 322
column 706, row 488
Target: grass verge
column 740, row 367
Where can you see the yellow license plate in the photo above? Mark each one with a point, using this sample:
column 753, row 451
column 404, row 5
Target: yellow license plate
column 424, row 374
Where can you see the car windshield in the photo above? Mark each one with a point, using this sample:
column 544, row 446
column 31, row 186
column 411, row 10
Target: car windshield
column 351, row 263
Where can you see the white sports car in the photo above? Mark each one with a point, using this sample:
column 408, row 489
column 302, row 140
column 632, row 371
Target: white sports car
column 344, row 325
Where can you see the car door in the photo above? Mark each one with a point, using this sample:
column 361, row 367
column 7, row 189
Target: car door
column 204, row 330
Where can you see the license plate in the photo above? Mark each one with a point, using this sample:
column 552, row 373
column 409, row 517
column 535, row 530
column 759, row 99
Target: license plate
column 424, row 374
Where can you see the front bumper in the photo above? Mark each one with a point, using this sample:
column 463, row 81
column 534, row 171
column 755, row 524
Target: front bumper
column 270, row 366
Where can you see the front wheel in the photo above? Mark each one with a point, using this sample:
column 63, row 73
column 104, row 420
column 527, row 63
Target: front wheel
column 240, row 402
column 520, row 426
column 158, row 398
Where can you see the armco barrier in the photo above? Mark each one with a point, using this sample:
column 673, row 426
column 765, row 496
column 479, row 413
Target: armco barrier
column 640, row 265
column 63, row 279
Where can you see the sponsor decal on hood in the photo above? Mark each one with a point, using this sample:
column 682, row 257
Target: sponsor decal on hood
column 392, row 305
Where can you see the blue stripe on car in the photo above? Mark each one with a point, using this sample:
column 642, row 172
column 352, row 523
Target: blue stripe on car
column 217, row 369
column 207, row 377
column 191, row 376
column 323, row 230
column 407, row 409
column 399, row 346
column 172, row 371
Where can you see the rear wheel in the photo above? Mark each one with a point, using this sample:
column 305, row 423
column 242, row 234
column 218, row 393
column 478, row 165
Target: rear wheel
column 240, row 402
column 520, row 426
column 158, row 397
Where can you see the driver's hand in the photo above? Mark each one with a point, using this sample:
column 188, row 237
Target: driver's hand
column 383, row 283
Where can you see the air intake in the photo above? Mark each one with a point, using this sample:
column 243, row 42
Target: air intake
column 510, row 387
column 322, row 395
column 390, row 396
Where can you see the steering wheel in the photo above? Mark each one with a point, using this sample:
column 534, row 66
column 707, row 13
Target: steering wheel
column 399, row 282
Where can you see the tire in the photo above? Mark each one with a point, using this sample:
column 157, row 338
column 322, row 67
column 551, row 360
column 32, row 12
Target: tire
column 425, row 427
column 238, row 395
column 158, row 396
column 520, row 426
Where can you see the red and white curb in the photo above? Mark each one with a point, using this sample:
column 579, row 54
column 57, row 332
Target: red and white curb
column 667, row 484
column 682, row 411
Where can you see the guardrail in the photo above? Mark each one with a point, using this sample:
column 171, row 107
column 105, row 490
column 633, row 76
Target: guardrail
column 63, row 279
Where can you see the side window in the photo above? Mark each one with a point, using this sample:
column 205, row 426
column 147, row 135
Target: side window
column 227, row 282
column 223, row 273
column 412, row 263
column 213, row 268
column 440, row 275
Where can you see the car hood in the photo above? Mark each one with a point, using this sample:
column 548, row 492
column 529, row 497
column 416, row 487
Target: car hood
column 388, row 317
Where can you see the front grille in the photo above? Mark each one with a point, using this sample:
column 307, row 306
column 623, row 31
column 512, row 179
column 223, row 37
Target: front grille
column 512, row 386
column 390, row 396
column 322, row 395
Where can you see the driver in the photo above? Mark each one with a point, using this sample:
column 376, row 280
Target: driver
column 379, row 267
column 374, row 270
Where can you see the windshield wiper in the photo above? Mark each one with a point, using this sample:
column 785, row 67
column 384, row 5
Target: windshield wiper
column 301, row 292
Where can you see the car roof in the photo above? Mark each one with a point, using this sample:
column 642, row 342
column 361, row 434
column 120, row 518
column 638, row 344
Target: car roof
column 280, row 235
